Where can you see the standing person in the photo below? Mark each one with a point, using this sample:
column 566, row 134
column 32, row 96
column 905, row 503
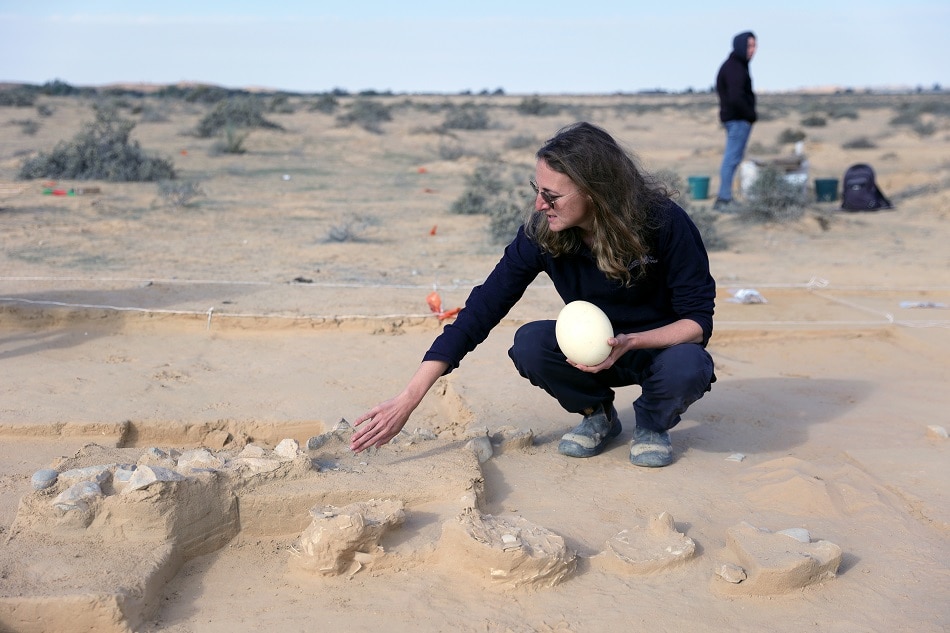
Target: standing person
column 736, row 111
column 607, row 233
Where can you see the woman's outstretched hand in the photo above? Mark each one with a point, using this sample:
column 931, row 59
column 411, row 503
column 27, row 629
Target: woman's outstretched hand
column 384, row 421
column 381, row 423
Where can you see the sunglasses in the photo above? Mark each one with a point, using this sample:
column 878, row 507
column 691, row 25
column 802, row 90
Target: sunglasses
column 548, row 198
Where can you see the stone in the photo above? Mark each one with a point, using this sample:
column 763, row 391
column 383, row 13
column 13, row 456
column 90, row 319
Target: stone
column 77, row 496
column 936, row 431
column 288, row 449
column 198, row 459
column 343, row 540
column 99, row 474
column 510, row 438
column 658, row 547
column 252, row 450
column 157, row 457
column 44, row 478
column 482, row 448
column 509, row 552
column 799, row 534
column 777, row 564
column 339, row 434
column 145, row 476
column 731, row 573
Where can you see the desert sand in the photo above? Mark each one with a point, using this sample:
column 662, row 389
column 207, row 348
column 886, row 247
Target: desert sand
column 135, row 331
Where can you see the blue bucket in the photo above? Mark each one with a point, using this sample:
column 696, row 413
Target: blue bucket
column 826, row 189
column 698, row 187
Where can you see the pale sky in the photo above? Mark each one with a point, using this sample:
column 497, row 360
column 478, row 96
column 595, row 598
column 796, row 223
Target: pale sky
column 522, row 47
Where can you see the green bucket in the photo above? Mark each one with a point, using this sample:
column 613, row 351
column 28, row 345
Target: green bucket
column 698, row 187
column 826, row 189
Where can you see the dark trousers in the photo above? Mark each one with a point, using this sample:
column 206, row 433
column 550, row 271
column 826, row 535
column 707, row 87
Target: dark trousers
column 671, row 379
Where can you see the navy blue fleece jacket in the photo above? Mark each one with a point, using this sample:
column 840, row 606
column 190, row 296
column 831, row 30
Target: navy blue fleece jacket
column 734, row 83
column 677, row 285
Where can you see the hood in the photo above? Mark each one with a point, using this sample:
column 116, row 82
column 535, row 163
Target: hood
column 740, row 44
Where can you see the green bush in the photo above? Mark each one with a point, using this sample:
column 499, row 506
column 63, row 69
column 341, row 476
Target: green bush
column 482, row 190
column 814, row 120
column 27, row 126
column 862, row 142
column 521, row 141
column 326, row 104
column 790, row 136
column 467, row 117
column 18, row 97
column 702, row 216
column 238, row 113
column 535, row 106
column 101, row 151
column 352, row 228
column 179, row 193
column 497, row 191
column 507, row 215
column 280, row 104
column 772, row 198
column 231, row 142
column 367, row 113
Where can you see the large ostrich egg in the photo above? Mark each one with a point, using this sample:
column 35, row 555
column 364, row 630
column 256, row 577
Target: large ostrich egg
column 582, row 330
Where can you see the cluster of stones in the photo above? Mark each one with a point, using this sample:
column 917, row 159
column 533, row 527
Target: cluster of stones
column 504, row 551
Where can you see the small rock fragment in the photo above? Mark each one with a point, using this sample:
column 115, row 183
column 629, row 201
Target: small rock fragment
column 76, row 496
column 200, row 458
column 482, row 448
column 44, row 478
column 777, row 564
column 658, row 547
column 731, row 573
column 936, row 431
column 510, row 438
column 98, row 474
column 506, row 551
column 157, row 457
column 252, row 450
column 799, row 534
column 288, row 449
column 145, row 476
column 343, row 540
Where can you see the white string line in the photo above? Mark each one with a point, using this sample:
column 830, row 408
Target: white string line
column 211, row 311
column 886, row 319
column 813, row 283
column 217, row 282
column 887, row 316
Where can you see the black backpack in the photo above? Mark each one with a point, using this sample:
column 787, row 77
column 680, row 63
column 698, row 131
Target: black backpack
column 859, row 192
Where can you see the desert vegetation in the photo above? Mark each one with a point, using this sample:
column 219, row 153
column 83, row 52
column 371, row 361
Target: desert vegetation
column 489, row 138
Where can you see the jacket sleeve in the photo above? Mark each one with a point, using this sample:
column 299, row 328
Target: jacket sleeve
column 691, row 287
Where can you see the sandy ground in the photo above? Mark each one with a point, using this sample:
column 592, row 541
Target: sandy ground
column 128, row 324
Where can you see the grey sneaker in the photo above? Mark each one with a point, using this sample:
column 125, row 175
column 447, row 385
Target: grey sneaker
column 651, row 449
column 591, row 436
column 726, row 206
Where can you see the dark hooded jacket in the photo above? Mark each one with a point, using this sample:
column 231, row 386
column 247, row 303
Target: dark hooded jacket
column 734, row 83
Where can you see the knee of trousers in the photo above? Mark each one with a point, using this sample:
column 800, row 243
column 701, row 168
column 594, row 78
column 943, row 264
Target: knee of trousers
column 684, row 369
column 534, row 345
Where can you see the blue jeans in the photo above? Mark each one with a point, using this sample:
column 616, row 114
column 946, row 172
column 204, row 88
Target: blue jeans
column 671, row 379
column 737, row 135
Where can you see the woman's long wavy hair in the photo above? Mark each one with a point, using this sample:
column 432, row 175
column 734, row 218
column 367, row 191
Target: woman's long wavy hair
column 623, row 199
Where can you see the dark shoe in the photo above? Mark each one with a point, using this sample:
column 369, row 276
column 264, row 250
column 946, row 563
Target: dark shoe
column 722, row 205
column 651, row 449
column 591, row 436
